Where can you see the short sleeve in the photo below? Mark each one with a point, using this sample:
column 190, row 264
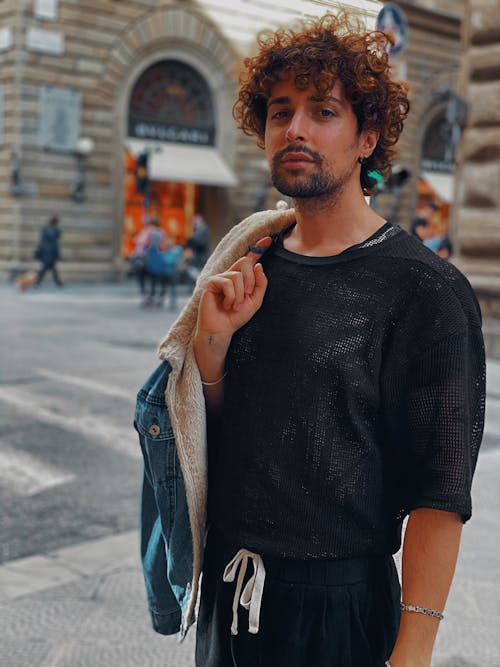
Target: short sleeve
column 444, row 407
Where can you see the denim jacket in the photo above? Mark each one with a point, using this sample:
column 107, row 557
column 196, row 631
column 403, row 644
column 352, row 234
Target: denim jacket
column 166, row 541
column 171, row 423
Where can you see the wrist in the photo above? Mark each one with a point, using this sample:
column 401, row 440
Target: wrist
column 215, row 344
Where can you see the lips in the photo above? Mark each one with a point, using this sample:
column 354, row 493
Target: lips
column 296, row 160
column 296, row 157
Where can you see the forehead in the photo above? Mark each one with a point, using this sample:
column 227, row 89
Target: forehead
column 286, row 86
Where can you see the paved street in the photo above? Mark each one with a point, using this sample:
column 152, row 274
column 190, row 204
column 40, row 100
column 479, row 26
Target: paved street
column 71, row 592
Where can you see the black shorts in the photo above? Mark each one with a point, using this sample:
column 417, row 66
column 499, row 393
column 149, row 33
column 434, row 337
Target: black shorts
column 315, row 613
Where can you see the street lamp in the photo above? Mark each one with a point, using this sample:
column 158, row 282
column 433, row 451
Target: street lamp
column 84, row 146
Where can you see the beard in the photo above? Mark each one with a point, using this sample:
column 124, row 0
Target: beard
column 321, row 184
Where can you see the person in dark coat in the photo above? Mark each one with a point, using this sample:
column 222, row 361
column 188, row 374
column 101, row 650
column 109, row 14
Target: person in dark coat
column 48, row 250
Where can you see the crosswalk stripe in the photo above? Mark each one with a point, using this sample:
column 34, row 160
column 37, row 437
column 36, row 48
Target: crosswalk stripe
column 94, row 428
column 23, row 474
column 87, row 383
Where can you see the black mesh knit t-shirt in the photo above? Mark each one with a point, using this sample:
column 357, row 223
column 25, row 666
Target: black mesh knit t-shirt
column 354, row 395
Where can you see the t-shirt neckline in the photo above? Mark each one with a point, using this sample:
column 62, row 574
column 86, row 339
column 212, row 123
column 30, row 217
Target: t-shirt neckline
column 355, row 250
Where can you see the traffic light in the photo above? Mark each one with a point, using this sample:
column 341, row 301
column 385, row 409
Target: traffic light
column 141, row 172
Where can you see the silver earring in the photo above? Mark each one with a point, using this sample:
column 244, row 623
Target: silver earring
column 361, row 160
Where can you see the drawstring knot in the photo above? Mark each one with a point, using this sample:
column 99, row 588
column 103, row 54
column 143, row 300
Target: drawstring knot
column 251, row 597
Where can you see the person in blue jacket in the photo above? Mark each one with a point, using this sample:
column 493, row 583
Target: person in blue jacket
column 47, row 251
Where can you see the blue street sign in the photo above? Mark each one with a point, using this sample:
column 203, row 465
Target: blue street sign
column 392, row 20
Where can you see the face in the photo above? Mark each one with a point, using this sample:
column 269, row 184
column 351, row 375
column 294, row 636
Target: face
column 313, row 144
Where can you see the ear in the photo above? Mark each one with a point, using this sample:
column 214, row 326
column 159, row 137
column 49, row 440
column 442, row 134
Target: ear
column 368, row 142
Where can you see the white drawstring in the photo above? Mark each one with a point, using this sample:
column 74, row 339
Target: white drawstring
column 251, row 597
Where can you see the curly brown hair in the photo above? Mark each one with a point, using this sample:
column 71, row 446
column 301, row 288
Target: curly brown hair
column 321, row 51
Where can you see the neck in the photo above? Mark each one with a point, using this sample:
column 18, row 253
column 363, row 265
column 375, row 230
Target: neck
column 329, row 226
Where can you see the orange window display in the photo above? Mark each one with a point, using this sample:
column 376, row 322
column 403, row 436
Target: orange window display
column 173, row 204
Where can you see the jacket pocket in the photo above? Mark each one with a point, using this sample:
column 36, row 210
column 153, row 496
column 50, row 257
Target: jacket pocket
column 156, row 436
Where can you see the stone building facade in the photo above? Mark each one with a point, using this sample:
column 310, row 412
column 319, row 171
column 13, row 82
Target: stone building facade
column 477, row 221
column 70, row 68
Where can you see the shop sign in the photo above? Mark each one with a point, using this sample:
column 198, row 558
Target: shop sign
column 175, row 133
column 59, row 119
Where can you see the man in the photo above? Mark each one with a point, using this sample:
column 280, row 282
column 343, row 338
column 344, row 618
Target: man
column 342, row 369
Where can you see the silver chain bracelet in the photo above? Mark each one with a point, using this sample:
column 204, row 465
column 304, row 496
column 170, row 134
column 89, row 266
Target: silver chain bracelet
column 421, row 610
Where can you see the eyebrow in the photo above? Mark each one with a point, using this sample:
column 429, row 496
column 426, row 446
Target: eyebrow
column 312, row 98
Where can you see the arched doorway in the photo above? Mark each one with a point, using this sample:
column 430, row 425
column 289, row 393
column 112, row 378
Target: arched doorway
column 171, row 151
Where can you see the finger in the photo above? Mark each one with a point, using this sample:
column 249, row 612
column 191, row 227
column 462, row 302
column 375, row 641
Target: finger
column 238, row 284
column 256, row 250
column 247, row 273
column 224, row 287
column 260, row 285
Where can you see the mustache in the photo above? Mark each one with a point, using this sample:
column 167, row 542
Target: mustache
column 297, row 148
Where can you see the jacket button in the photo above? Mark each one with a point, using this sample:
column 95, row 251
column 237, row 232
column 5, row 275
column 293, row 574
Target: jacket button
column 154, row 430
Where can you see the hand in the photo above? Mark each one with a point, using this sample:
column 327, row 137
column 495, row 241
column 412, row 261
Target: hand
column 232, row 298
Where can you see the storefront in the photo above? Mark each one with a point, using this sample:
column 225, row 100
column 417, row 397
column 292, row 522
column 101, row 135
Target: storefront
column 171, row 154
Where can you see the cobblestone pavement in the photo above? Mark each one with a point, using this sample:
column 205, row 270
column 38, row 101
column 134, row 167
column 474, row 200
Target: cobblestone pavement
column 84, row 605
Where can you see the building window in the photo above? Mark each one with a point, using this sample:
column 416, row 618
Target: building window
column 171, row 101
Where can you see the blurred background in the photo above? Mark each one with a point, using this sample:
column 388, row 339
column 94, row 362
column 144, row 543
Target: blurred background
column 115, row 121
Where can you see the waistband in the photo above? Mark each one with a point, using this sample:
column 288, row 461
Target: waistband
column 321, row 572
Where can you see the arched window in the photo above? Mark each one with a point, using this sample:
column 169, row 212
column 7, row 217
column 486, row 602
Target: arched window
column 438, row 148
column 172, row 102
column 443, row 133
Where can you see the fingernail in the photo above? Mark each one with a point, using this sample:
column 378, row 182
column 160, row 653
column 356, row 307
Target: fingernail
column 257, row 250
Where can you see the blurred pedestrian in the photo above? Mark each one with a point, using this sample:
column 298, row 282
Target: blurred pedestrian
column 138, row 257
column 47, row 251
column 326, row 380
column 420, row 228
column 162, row 258
column 197, row 247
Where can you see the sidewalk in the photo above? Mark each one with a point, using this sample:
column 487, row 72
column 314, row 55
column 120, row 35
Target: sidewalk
column 84, row 606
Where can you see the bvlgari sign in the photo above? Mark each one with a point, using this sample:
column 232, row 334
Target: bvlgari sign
column 172, row 102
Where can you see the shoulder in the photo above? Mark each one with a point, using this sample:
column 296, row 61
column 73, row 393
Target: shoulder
column 432, row 282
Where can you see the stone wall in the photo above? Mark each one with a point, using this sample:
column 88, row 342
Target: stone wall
column 10, row 12
column 478, row 214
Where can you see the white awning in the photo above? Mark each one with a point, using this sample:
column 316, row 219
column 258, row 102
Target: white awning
column 442, row 184
column 184, row 163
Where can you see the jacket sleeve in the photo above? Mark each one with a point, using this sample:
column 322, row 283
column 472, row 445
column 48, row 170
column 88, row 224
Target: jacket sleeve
column 163, row 606
column 164, row 525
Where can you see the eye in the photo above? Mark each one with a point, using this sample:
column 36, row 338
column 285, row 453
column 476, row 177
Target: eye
column 326, row 112
column 279, row 115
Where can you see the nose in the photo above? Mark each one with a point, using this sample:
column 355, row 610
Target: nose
column 296, row 130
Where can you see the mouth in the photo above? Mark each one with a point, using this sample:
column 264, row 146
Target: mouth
column 296, row 160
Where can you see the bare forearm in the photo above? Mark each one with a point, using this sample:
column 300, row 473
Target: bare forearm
column 430, row 551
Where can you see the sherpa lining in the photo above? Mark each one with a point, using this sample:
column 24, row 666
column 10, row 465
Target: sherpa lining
column 184, row 395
